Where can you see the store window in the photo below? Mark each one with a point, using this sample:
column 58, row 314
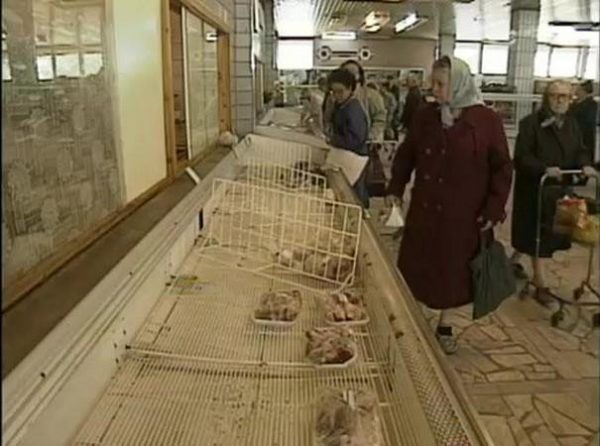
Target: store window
column 494, row 59
column 295, row 54
column 470, row 53
column 61, row 175
column 68, row 40
column 195, row 84
column 542, row 57
column 563, row 61
column 591, row 66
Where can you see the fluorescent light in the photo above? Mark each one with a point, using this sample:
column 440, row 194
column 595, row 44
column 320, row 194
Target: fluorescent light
column 372, row 28
column 338, row 35
column 408, row 22
column 211, row 36
column 375, row 20
column 371, row 19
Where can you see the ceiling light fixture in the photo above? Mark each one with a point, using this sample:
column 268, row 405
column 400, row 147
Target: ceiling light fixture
column 409, row 22
column 372, row 28
column 375, row 20
column 338, row 35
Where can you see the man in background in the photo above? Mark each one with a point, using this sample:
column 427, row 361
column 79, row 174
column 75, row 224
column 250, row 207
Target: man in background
column 413, row 101
column 391, row 105
column 585, row 112
column 312, row 114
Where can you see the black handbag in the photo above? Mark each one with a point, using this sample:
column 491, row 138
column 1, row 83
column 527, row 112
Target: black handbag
column 375, row 176
column 493, row 279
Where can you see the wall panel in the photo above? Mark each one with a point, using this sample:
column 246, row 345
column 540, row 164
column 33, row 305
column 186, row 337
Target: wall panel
column 138, row 48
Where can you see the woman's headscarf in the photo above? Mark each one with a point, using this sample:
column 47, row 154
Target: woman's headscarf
column 464, row 90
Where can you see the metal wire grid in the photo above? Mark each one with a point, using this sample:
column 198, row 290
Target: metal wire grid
column 199, row 372
column 191, row 325
column 185, row 402
column 276, row 232
column 283, row 177
column 272, row 150
column 444, row 422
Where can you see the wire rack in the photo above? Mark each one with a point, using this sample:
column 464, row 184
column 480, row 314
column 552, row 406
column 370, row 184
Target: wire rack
column 298, row 178
column 200, row 372
column 272, row 150
column 283, row 234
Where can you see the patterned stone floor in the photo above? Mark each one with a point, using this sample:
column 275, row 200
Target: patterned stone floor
column 531, row 383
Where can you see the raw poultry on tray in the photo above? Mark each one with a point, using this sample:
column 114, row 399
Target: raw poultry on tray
column 331, row 345
column 348, row 418
column 345, row 306
column 282, row 306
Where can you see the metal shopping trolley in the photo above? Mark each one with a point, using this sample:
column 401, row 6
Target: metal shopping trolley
column 586, row 284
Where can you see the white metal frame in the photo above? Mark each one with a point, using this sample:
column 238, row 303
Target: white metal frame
column 279, row 176
column 270, row 232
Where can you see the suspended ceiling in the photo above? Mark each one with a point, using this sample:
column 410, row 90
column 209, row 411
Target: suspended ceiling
column 477, row 20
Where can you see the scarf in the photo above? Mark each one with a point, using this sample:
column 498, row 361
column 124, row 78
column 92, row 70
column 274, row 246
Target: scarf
column 464, row 91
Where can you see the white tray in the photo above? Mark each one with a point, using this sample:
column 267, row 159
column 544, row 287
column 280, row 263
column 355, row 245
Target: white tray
column 359, row 323
column 341, row 365
column 274, row 324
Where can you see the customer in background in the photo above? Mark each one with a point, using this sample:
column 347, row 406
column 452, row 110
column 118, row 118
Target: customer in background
column 349, row 124
column 412, row 102
column 391, row 105
column 548, row 140
column 371, row 101
column 463, row 172
column 585, row 112
column 312, row 114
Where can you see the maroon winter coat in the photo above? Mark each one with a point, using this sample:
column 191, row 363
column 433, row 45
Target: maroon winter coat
column 461, row 173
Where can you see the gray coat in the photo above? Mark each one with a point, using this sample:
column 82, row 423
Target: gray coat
column 536, row 149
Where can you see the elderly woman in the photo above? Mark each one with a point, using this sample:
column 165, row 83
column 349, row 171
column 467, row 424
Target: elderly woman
column 463, row 172
column 370, row 100
column 549, row 140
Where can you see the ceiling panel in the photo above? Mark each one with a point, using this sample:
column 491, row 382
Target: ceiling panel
column 313, row 17
column 478, row 20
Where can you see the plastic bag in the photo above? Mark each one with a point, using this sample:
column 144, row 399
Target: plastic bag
column 348, row 418
column 571, row 213
column 589, row 234
column 394, row 219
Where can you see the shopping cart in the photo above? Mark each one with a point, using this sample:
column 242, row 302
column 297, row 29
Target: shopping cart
column 586, row 285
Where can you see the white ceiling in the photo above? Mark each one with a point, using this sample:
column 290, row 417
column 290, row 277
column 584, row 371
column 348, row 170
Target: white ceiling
column 481, row 19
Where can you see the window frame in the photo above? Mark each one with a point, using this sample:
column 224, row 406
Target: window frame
column 224, row 30
column 480, row 49
column 54, row 50
column 500, row 43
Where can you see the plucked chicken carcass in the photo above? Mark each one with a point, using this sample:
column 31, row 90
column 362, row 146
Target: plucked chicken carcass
column 348, row 418
column 345, row 306
column 331, row 345
column 283, row 306
column 328, row 266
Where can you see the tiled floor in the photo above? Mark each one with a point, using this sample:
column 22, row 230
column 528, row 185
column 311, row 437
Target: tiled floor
column 532, row 384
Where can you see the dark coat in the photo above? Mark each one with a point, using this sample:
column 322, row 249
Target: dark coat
column 350, row 130
column 462, row 173
column 536, row 149
column 350, row 127
column 413, row 101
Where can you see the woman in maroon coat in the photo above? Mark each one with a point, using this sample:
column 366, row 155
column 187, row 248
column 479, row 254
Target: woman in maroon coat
column 463, row 173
